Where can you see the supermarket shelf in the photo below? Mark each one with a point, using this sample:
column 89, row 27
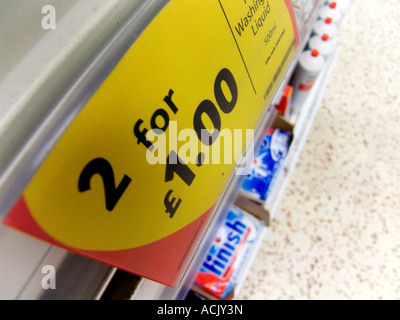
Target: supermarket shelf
column 148, row 290
column 242, row 272
column 42, row 119
column 302, row 127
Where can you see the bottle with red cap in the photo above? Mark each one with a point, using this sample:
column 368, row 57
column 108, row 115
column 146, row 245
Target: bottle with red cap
column 342, row 5
column 310, row 64
column 324, row 44
column 331, row 11
column 326, row 26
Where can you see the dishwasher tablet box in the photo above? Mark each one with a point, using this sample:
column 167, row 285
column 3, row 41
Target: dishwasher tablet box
column 228, row 252
column 267, row 163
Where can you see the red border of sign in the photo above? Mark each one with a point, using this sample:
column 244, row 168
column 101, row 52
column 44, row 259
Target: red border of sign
column 173, row 251
column 296, row 32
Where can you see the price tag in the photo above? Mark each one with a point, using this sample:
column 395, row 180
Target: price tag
column 132, row 183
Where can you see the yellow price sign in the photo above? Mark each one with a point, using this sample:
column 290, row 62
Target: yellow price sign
column 110, row 189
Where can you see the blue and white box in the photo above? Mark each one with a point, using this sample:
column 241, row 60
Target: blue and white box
column 268, row 161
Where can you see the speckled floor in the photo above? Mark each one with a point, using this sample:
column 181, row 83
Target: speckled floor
column 336, row 234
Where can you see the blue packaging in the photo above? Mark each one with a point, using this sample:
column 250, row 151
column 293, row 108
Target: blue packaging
column 267, row 163
column 228, row 252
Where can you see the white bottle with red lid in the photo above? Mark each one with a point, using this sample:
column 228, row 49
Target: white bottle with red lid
column 342, row 5
column 331, row 11
column 324, row 44
column 310, row 64
column 326, row 26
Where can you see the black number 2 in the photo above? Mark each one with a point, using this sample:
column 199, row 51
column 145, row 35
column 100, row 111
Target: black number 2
column 103, row 168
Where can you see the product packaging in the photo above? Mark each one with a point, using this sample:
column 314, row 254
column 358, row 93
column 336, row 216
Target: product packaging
column 268, row 161
column 227, row 254
column 284, row 105
column 309, row 67
column 342, row 5
column 324, row 44
column 331, row 11
column 326, row 26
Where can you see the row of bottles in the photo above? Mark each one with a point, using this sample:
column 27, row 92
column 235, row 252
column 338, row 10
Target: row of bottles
column 321, row 45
